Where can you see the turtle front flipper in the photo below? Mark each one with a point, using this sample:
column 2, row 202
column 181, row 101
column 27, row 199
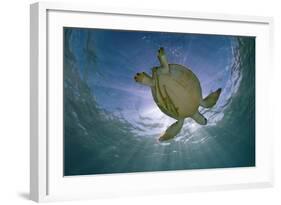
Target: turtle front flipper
column 211, row 99
column 172, row 131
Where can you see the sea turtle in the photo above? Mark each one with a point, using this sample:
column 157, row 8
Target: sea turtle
column 177, row 92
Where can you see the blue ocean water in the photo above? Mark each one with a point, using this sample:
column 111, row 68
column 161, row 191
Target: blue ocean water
column 111, row 123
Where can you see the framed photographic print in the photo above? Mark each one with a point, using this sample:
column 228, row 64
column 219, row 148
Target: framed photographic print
column 127, row 102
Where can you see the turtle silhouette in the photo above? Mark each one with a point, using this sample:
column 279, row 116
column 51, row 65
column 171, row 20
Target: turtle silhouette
column 177, row 92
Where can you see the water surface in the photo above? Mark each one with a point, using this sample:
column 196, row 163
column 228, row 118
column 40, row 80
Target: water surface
column 111, row 123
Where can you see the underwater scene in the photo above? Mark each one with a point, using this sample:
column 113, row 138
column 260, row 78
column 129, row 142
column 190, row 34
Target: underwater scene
column 139, row 101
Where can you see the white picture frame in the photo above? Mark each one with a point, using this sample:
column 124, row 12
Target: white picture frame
column 47, row 182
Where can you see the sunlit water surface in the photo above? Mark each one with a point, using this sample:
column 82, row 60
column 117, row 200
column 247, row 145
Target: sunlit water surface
column 111, row 123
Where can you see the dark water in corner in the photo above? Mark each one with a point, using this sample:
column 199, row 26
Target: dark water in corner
column 111, row 123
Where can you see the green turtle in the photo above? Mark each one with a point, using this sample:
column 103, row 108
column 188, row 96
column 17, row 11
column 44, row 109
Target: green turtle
column 177, row 92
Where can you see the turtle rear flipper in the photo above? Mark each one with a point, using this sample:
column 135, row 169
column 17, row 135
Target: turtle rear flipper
column 211, row 99
column 144, row 79
column 163, row 61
